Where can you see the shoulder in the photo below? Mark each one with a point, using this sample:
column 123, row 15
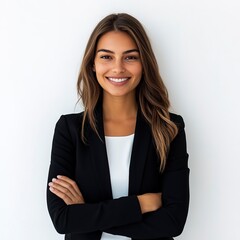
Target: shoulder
column 70, row 122
column 68, row 127
column 72, row 118
column 177, row 119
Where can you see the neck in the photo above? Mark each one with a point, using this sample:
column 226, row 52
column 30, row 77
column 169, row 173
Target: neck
column 119, row 108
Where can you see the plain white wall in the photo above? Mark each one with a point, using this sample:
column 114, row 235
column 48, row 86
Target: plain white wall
column 197, row 46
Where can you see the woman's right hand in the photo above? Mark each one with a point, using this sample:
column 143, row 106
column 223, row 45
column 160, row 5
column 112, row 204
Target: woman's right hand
column 150, row 202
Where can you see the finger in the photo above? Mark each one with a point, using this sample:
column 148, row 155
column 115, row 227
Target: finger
column 63, row 190
column 65, row 194
column 67, row 189
column 61, row 195
column 70, row 181
column 66, row 185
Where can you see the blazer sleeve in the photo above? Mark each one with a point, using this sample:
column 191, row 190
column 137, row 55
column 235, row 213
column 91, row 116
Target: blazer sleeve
column 169, row 220
column 82, row 218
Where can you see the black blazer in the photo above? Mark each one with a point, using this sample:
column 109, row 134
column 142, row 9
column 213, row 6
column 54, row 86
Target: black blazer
column 87, row 164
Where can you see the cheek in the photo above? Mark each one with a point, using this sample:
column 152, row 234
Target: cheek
column 101, row 68
column 138, row 72
column 100, row 72
column 137, row 69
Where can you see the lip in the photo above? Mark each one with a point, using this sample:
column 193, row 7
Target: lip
column 118, row 81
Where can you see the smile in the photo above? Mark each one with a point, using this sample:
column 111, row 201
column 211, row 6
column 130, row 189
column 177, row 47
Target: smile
column 117, row 80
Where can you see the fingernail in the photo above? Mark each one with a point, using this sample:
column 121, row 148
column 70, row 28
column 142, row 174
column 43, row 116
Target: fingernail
column 54, row 179
column 59, row 176
column 50, row 184
column 51, row 189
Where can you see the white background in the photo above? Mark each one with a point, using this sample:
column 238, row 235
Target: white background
column 197, row 46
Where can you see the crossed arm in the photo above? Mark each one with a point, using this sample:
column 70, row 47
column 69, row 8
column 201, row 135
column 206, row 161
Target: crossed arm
column 67, row 189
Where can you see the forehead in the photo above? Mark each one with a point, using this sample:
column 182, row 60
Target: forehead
column 116, row 40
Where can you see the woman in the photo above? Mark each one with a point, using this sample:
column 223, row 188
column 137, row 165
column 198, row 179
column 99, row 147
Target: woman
column 119, row 169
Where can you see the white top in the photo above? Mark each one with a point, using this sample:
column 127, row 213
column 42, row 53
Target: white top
column 119, row 151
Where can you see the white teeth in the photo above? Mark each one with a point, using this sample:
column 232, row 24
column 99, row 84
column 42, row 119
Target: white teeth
column 118, row 79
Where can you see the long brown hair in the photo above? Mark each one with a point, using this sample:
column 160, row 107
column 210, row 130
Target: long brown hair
column 151, row 93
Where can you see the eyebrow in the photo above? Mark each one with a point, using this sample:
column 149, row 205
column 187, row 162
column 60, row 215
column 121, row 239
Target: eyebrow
column 125, row 52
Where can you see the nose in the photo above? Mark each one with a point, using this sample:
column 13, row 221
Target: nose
column 118, row 66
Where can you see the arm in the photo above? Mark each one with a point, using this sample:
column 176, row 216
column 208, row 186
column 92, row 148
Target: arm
column 169, row 220
column 68, row 190
column 83, row 218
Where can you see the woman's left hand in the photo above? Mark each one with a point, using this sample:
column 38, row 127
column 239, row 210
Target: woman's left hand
column 66, row 189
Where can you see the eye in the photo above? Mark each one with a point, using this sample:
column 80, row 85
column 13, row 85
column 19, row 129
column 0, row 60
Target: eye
column 106, row 57
column 132, row 58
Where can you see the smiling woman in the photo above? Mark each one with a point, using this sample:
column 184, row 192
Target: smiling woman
column 119, row 169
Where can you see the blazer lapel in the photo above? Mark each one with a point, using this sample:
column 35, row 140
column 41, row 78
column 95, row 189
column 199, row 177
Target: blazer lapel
column 99, row 156
column 141, row 142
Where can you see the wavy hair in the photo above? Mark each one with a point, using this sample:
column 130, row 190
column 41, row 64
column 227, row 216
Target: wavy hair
column 151, row 94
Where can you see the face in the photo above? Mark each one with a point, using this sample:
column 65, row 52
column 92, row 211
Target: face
column 117, row 64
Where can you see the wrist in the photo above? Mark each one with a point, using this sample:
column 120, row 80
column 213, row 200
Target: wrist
column 142, row 204
column 150, row 202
